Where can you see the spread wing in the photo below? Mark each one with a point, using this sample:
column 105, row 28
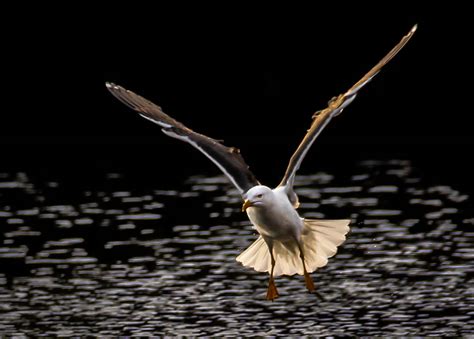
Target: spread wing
column 228, row 159
column 335, row 107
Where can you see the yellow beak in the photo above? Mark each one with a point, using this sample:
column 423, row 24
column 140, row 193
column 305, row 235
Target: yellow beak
column 246, row 205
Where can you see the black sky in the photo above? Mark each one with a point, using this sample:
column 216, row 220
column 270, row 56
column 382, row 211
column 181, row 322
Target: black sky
column 252, row 76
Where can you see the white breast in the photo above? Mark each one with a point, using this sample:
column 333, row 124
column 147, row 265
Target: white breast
column 277, row 219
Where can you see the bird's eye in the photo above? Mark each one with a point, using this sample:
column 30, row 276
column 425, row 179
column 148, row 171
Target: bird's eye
column 259, row 196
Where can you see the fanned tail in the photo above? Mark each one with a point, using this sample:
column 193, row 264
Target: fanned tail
column 319, row 240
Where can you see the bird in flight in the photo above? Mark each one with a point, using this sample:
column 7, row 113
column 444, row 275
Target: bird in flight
column 288, row 244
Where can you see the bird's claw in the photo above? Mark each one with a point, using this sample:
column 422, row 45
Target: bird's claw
column 272, row 292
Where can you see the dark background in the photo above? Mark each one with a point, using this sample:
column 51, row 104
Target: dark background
column 251, row 76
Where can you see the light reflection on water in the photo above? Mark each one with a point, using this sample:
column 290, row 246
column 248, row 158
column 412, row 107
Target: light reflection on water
column 146, row 261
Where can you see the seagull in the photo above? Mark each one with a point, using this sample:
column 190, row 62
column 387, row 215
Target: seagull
column 287, row 244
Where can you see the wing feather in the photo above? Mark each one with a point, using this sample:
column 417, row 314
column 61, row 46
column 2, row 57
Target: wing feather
column 335, row 106
column 228, row 159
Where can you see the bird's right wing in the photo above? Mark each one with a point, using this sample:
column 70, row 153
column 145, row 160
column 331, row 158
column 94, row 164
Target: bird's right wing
column 335, row 107
column 228, row 159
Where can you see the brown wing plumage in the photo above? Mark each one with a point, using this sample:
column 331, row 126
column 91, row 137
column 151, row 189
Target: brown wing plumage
column 228, row 159
column 335, row 107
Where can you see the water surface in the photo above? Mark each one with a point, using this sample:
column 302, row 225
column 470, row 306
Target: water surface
column 121, row 257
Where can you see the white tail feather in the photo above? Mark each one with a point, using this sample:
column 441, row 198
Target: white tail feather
column 319, row 240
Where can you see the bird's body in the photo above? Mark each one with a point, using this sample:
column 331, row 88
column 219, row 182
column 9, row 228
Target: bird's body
column 278, row 219
column 286, row 238
column 288, row 244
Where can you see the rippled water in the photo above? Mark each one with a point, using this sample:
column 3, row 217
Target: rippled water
column 125, row 258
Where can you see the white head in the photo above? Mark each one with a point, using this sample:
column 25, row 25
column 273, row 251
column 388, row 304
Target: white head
column 257, row 196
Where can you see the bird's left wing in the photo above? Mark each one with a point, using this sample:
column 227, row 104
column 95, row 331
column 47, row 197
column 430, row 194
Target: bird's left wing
column 335, row 107
column 228, row 159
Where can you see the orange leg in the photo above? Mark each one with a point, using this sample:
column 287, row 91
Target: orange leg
column 307, row 278
column 272, row 292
